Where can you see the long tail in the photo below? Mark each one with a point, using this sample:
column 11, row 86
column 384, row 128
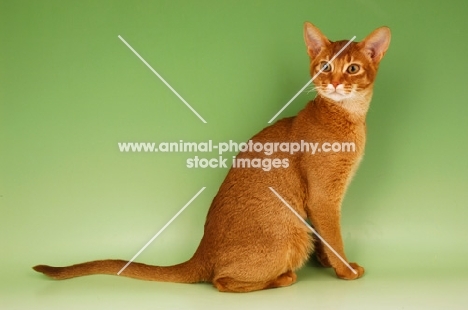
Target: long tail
column 189, row 272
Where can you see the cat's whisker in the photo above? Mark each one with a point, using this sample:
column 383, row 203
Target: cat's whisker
column 359, row 95
column 310, row 90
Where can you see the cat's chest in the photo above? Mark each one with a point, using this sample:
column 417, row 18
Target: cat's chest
column 323, row 122
column 335, row 138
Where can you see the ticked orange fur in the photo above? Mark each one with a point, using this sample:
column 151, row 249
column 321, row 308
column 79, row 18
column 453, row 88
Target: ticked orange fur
column 251, row 240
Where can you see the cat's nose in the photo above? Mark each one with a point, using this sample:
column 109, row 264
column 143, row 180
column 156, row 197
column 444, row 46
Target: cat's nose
column 335, row 84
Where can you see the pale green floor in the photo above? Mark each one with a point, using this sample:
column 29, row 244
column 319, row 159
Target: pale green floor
column 385, row 286
column 311, row 292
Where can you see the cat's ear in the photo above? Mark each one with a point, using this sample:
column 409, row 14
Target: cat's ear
column 314, row 39
column 376, row 44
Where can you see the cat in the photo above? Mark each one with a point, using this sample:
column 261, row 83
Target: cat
column 251, row 240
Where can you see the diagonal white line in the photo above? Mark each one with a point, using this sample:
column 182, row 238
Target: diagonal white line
column 162, row 79
column 161, row 230
column 313, row 230
column 310, row 81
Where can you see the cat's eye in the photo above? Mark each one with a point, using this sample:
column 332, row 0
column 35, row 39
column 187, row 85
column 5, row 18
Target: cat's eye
column 353, row 69
column 325, row 66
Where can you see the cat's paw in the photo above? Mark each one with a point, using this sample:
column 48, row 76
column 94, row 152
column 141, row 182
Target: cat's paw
column 346, row 274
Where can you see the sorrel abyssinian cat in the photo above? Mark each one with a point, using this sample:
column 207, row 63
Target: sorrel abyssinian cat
column 252, row 241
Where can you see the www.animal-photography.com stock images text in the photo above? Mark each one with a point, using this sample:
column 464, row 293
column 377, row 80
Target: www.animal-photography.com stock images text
column 233, row 154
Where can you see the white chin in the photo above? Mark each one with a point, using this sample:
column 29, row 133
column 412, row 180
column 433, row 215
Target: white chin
column 336, row 97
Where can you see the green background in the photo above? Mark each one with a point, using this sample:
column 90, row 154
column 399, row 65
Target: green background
column 71, row 90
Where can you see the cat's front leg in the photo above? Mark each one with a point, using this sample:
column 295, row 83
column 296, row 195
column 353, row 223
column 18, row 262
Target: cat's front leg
column 320, row 254
column 325, row 217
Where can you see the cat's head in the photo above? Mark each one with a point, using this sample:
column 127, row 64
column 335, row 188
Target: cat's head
column 349, row 79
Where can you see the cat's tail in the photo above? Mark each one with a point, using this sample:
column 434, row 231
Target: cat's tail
column 191, row 271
